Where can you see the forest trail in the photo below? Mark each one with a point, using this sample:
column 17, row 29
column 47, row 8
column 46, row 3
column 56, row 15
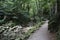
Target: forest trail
column 42, row 33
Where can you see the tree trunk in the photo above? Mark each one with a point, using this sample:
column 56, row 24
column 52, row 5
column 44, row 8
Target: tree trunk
column 54, row 22
column 58, row 20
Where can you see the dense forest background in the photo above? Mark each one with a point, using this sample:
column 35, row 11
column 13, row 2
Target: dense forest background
column 24, row 11
column 20, row 14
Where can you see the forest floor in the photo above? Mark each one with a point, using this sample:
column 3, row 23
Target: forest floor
column 42, row 33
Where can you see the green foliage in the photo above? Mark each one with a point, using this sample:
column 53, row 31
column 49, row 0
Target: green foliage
column 16, row 32
column 29, row 9
column 32, row 30
column 21, row 12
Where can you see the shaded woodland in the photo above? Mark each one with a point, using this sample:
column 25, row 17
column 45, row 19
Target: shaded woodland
column 18, row 15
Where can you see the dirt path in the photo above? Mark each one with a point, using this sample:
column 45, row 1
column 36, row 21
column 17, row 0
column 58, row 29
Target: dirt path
column 42, row 33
